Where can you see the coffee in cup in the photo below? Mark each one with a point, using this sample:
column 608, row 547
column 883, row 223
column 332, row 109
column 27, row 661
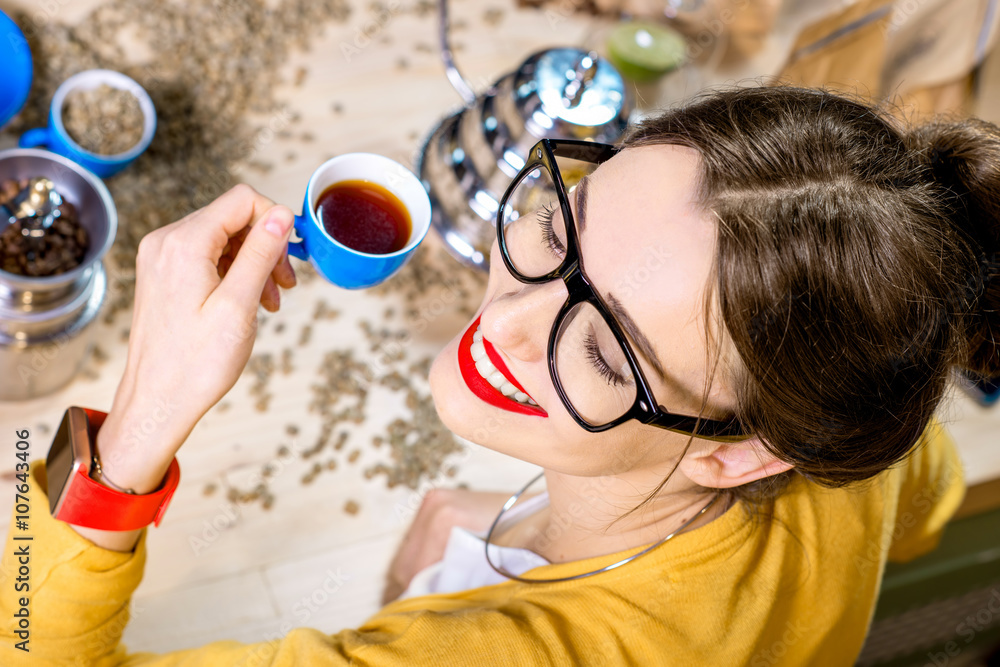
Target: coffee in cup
column 365, row 217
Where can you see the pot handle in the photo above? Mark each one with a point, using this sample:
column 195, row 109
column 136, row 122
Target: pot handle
column 458, row 82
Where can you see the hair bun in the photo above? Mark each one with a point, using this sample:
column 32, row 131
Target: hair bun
column 964, row 158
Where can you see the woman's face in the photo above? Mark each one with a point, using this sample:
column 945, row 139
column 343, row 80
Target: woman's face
column 645, row 244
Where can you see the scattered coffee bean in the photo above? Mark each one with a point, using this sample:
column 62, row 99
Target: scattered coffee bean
column 99, row 355
column 493, row 16
column 323, row 311
column 305, row 335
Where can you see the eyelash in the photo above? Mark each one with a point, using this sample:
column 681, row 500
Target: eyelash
column 598, row 362
column 545, row 222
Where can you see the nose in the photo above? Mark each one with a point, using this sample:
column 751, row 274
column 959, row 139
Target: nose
column 519, row 320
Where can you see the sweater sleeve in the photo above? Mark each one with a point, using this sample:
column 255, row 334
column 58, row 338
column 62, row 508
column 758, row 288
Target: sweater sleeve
column 78, row 596
column 932, row 489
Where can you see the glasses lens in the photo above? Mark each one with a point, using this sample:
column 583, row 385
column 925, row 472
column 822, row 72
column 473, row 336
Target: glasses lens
column 533, row 224
column 592, row 367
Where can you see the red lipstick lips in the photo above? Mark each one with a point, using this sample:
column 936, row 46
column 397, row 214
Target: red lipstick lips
column 483, row 389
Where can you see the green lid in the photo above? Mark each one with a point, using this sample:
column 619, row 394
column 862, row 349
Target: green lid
column 642, row 50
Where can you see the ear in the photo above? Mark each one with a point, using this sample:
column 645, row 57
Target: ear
column 725, row 465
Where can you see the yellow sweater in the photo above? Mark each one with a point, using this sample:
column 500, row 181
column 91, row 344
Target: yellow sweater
column 797, row 590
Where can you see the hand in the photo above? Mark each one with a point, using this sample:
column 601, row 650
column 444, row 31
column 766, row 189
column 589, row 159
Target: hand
column 425, row 541
column 198, row 284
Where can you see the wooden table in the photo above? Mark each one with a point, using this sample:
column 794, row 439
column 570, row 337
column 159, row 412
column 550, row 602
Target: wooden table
column 222, row 571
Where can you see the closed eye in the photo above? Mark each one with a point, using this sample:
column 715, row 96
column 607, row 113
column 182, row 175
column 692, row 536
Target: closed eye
column 552, row 240
column 613, row 377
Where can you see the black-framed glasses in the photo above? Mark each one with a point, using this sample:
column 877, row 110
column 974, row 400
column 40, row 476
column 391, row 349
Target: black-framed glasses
column 591, row 361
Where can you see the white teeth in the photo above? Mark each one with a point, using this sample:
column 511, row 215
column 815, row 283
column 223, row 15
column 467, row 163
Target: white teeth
column 496, row 379
column 507, row 389
column 485, row 368
column 490, row 373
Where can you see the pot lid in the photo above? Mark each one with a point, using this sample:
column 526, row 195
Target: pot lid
column 568, row 92
column 15, row 75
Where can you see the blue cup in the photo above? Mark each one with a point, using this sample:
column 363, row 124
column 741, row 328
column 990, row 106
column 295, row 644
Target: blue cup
column 57, row 140
column 15, row 72
column 335, row 261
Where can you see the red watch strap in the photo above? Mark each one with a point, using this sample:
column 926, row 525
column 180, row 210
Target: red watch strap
column 95, row 420
column 97, row 506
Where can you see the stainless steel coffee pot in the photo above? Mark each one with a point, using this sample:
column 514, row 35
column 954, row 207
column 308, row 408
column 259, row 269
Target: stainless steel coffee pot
column 471, row 156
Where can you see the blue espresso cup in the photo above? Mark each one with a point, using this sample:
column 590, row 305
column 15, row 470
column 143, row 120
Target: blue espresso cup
column 56, row 139
column 335, row 261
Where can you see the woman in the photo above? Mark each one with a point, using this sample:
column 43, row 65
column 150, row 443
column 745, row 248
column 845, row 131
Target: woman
column 711, row 341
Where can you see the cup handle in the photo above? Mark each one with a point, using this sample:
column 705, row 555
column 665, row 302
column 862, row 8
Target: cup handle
column 36, row 137
column 298, row 248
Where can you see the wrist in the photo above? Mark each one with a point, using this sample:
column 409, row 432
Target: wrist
column 137, row 443
column 107, row 517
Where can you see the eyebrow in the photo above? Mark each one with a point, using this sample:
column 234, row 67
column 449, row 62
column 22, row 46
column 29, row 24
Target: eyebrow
column 581, row 203
column 639, row 338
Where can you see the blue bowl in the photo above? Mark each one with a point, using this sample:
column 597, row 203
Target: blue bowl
column 15, row 74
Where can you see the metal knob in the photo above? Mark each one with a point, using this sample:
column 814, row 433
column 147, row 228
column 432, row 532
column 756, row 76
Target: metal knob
column 583, row 73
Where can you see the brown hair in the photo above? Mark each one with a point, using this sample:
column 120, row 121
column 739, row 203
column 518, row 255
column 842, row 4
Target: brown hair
column 853, row 268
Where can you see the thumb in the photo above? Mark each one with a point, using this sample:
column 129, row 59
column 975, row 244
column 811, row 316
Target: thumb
column 263, row 248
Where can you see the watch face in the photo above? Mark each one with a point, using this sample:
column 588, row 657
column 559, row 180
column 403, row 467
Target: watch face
column 70, row 450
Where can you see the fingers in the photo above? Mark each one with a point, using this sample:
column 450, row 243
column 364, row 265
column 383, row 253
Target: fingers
column 270, row 298
column 262, row 250
column 283, row 274
column 211, row 227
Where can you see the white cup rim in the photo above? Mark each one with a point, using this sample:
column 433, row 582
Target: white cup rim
column 415, row 236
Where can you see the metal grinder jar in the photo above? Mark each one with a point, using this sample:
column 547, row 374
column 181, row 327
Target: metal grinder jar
column 45, row 322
